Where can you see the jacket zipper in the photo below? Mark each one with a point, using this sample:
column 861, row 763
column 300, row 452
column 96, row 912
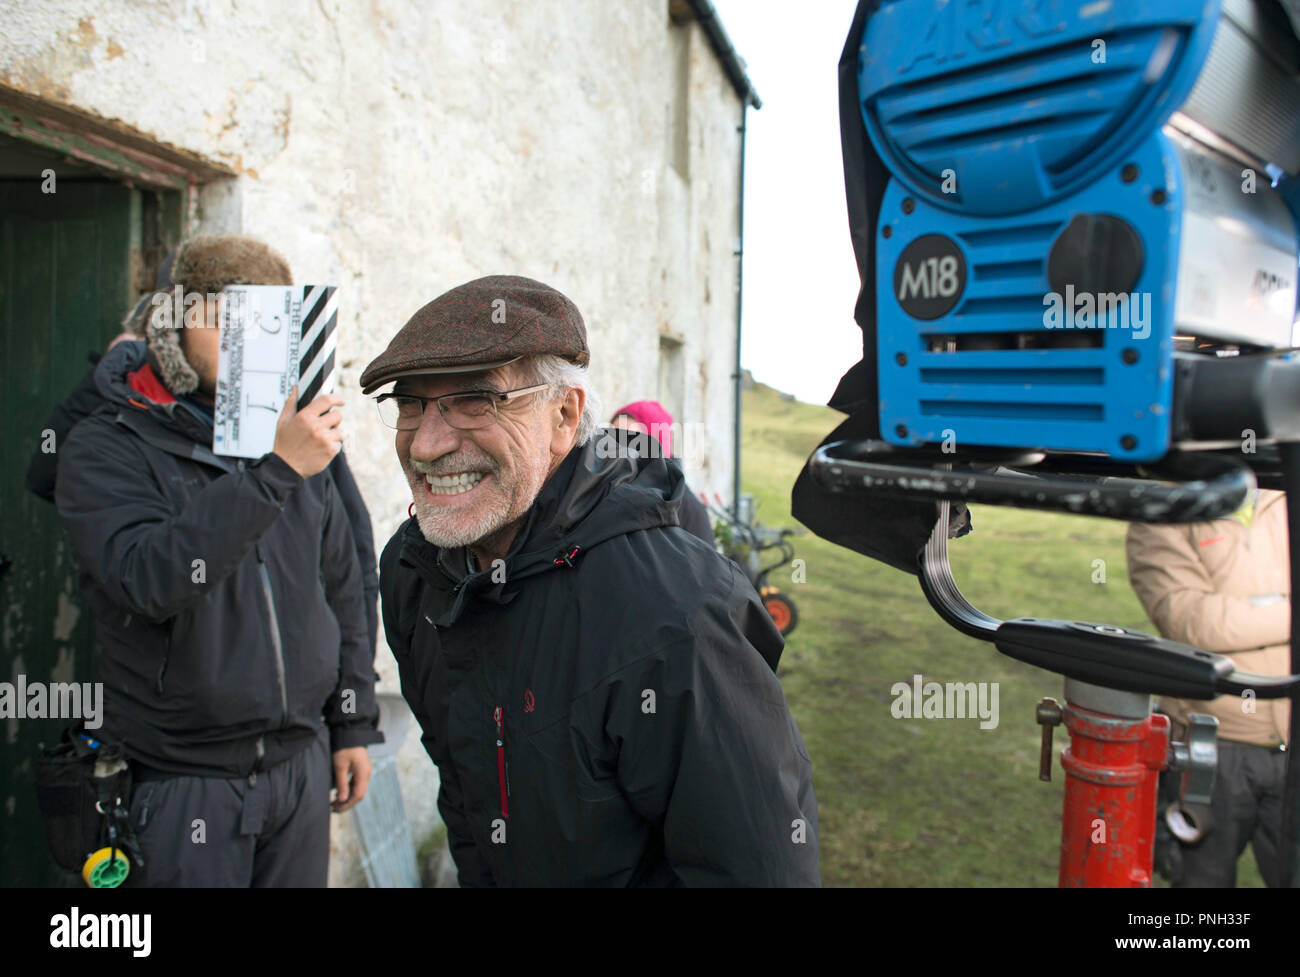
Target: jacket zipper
column 275, row 636
column 167, row 655
column 503, row 772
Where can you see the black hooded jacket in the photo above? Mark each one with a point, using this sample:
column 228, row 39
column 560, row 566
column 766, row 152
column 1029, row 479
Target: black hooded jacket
column 603, row 706
column 227, row 595
column 85, row 398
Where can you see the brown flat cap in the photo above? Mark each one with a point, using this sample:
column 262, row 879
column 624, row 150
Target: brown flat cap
column 482, row 324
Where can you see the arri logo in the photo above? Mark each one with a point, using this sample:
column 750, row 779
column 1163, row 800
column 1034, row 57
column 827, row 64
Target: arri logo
column 1267, row 282
column 964, row 27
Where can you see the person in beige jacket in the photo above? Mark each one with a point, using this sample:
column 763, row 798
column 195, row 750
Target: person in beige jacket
column 1224, row 586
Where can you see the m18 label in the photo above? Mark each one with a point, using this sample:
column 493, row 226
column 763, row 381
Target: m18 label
column 930, row 277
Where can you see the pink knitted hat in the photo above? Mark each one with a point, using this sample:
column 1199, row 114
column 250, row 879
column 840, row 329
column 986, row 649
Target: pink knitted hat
column 657, row 421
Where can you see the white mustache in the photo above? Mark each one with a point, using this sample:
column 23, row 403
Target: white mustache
column 453, row 465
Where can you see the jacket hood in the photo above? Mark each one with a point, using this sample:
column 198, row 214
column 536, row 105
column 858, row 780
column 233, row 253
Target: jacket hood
column 128, row 378
column 609, row 487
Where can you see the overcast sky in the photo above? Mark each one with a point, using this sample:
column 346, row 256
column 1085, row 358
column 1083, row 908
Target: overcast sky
column 800, row 278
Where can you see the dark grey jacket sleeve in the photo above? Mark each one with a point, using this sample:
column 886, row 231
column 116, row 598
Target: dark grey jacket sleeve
column 43, row 469
column 363, row 537
column 711, row 755
column 131, row 542
column 351, row 711
column 399, row 596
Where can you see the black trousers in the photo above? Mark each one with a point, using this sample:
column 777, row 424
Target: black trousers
column 269, row 830
column 1245, row 808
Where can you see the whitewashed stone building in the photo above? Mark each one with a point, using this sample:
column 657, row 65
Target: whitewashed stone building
column 394, row 148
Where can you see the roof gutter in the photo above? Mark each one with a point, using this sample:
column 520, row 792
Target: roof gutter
column 740, row 282
column 707, row 15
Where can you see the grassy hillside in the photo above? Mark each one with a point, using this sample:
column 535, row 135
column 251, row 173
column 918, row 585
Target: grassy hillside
column 927, row 802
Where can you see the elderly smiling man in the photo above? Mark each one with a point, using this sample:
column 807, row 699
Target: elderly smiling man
column 596, row 685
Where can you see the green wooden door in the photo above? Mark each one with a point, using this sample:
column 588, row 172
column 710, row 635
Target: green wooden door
column 66, row 281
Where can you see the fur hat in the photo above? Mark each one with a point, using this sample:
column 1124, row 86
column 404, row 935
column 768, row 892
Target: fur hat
column 203, row 264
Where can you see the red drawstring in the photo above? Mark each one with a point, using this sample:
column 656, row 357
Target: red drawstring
column 567, row 559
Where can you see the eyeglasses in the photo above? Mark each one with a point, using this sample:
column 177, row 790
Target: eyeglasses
column 464, row 411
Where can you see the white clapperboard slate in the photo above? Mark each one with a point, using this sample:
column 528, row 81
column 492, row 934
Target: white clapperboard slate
column 272, row 336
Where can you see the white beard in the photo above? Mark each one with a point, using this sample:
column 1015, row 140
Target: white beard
column 451, row 530
column 511, row 497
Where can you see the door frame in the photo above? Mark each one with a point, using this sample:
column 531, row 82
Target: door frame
column 162, row 186
column 113, row 147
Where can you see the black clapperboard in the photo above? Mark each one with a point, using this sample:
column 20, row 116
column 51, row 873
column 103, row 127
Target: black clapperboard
column 272, row 336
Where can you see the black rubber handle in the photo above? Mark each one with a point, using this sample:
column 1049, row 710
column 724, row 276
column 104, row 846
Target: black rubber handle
column 1192, row 487
column 1132, row 661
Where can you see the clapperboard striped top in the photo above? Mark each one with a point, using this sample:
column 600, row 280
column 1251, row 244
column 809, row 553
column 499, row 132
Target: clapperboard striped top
column 320, row 316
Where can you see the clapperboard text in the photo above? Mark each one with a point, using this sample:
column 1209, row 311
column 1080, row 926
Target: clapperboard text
column 272, row 337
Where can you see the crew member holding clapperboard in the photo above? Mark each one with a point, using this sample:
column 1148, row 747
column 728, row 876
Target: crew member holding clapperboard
column 42, row 471
column 230, row 610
